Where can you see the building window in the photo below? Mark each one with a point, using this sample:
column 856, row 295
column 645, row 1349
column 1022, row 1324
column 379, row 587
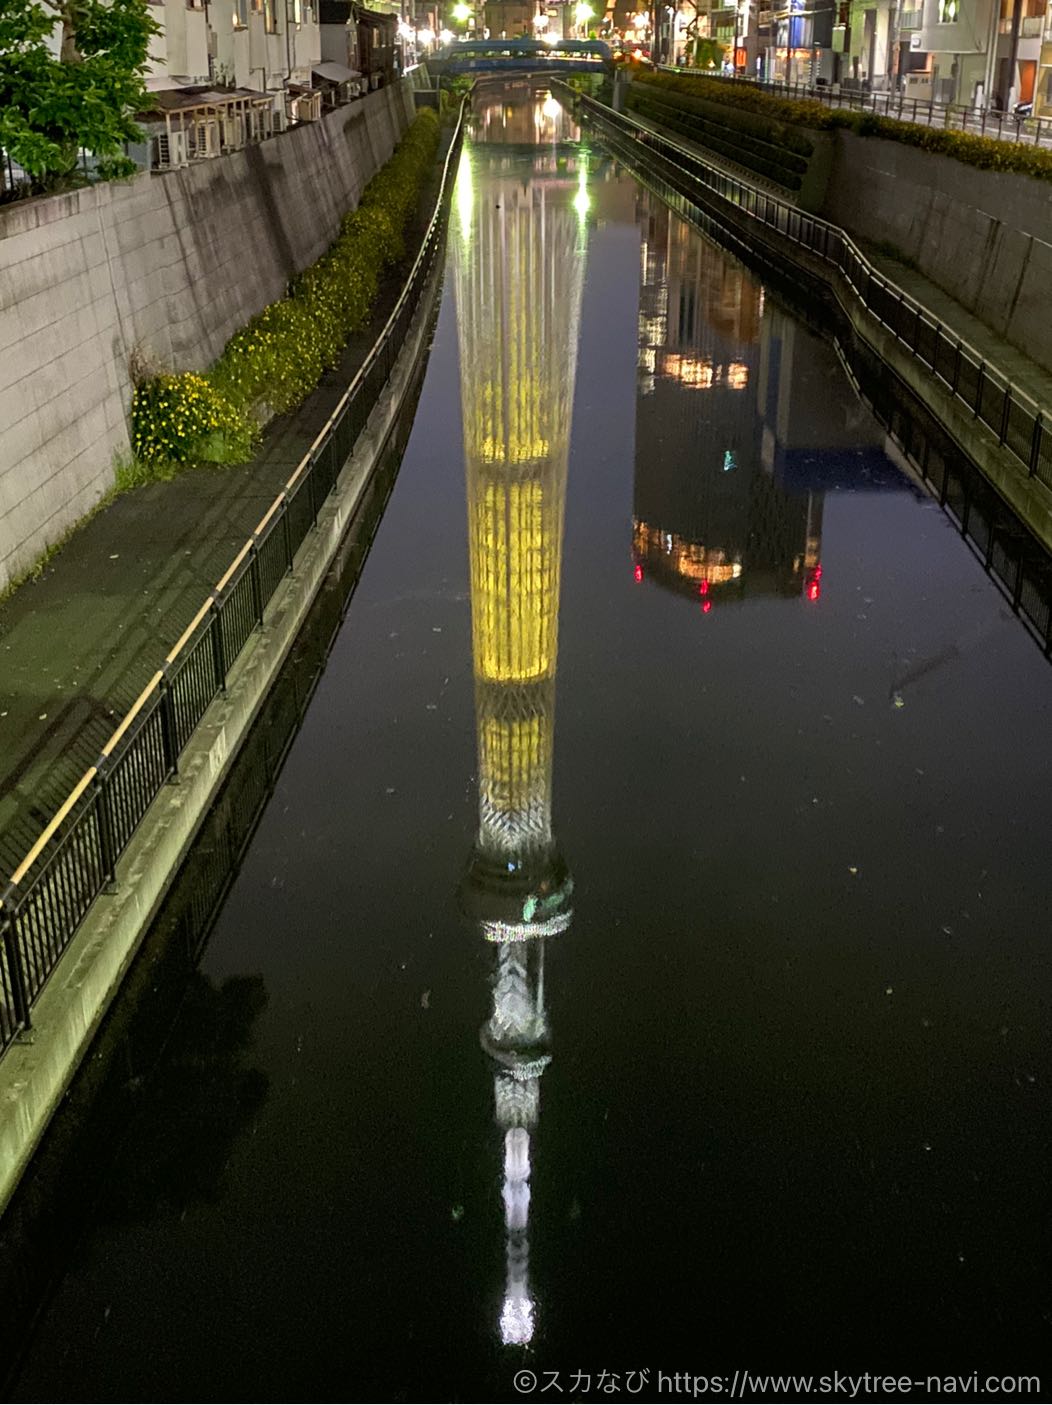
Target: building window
column 948, row 10
column 270, row 19
column 240, row 14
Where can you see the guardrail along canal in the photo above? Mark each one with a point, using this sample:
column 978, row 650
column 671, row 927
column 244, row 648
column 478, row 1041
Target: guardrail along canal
column 642, row 961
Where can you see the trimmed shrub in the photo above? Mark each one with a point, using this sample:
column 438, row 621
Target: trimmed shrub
column 275, row 361
column 985, row 153
column 762, row 157
column 182, row 419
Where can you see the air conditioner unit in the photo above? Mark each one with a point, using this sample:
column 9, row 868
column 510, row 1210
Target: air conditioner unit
column 172, row 150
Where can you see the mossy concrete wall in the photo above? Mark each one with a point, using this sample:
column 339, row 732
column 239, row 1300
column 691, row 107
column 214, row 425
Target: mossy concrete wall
column 166, row 265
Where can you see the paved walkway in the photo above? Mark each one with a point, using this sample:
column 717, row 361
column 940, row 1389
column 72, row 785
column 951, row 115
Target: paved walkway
column 1027, row 374
column 78, row 643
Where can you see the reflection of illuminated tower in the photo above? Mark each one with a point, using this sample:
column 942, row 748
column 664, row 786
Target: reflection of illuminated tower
column 518, row 281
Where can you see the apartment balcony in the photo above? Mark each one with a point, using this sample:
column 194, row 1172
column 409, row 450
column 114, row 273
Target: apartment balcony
column 1030, row 26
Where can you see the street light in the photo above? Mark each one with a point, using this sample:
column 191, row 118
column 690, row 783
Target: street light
column 462, row 12
column 582, row 14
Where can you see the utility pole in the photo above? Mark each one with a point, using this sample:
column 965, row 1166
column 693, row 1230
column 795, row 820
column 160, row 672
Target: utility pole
column 990, row 71
column 893, row 48
column 1013, row 54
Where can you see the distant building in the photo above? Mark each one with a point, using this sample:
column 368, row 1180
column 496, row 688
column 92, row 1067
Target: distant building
column 252, row 44
column 712, row 520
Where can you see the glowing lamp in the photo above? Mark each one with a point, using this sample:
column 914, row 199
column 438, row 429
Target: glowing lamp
column 462, row 12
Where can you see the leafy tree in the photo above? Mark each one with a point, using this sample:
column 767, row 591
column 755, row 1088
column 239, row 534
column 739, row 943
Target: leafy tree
column 709, row 53
column 85, row 95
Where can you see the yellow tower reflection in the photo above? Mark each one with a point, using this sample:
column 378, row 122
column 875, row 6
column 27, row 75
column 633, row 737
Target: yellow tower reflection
column 519, row 271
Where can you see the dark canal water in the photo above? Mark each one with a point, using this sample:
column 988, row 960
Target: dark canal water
column 643, row 960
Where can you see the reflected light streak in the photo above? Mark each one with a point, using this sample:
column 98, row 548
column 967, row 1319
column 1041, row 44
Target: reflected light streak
column 581, row 202
column 465, row 195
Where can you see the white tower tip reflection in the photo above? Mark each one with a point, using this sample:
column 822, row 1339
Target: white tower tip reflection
column 519, row 272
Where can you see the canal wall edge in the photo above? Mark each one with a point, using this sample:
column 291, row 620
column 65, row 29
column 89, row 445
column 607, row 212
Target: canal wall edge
column 163, row 268
column 35, row 1073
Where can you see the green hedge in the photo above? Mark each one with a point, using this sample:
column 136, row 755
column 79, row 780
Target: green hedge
column 759, row 156
column 705, row 97
column 986, row 153
column 278, row 358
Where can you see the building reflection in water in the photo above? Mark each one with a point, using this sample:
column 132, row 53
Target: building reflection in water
column 749, row 435
column 519, row 269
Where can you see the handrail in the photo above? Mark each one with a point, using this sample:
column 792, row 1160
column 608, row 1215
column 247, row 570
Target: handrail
column 79, row 859
column 832, row 231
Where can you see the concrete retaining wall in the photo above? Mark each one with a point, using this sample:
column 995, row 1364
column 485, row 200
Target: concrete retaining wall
column 165, row 265
column 981, row 236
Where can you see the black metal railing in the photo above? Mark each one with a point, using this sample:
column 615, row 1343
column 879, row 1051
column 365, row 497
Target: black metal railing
column 75, row 859
column 955, row 117
column 1013, row 417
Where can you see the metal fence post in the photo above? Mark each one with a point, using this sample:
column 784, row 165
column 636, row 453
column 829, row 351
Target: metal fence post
column 1017, row 587
column 286, row 532
column 107, row 852
column 980, row 375
column 19, row 995
column 1005, row 407
column 955, row 382
column 257, row 585
column 218, row 645
column 1035, row 443
column 168, row 739
column 312, row 491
